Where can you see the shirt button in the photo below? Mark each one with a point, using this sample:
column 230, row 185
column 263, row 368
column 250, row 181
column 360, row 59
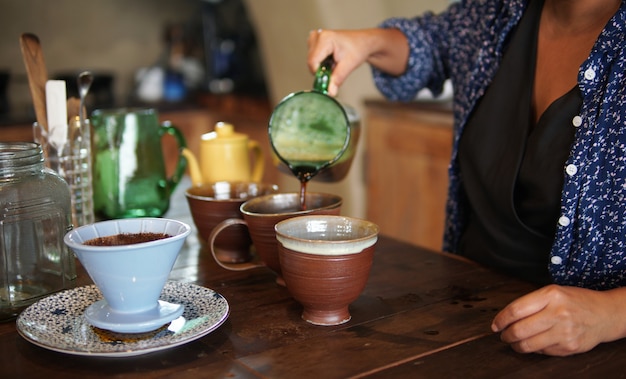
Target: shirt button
column 577, row 121
column 556, row 260
column 571, row 169
column 590, row 74
column 564, row 221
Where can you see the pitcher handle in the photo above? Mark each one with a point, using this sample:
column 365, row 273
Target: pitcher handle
column 229, row 266
column 181, row 165
column 259, row 162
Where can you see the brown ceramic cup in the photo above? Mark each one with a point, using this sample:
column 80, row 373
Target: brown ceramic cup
column 261, row 214
column 326, row 261
column 213, row 203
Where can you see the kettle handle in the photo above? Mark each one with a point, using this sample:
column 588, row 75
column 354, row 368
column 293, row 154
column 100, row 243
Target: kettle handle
column 259, row 163
column 322, row 75
column 181, row 165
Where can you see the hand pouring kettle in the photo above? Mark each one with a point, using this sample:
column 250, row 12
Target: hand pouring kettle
column 312, row 134
column 225, row 155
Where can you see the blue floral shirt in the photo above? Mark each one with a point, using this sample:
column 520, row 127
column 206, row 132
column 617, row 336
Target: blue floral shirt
column 465, row 44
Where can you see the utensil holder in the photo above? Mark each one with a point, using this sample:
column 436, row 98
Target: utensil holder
column 72, row 161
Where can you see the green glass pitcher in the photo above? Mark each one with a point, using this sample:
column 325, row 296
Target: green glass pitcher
column 128, row 165
column 312, row 134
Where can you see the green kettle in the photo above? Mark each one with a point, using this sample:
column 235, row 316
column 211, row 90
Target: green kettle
column 313, row 135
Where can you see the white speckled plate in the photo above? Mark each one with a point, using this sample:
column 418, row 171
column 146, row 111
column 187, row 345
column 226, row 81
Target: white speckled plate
column 57, row 322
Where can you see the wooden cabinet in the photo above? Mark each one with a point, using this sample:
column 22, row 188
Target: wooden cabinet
column 407, row 157
column 16, row 133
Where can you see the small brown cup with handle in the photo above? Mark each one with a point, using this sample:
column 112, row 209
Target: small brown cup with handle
column 261, row 214
column 212, row 203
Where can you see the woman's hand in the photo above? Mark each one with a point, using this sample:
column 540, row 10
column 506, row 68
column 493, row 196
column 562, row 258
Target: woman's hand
column 559, row 320
column 386, row 49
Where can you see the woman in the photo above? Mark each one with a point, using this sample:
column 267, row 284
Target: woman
column 538, row 171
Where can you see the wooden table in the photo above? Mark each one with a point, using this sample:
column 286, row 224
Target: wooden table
column 422, row 314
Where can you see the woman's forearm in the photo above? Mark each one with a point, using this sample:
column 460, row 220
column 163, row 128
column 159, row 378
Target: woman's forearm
column 390, row 51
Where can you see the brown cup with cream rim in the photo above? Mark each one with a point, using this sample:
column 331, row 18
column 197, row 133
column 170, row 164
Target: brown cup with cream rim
column 326, row 261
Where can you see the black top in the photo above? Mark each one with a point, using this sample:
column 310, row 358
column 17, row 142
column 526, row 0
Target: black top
column 512, row 170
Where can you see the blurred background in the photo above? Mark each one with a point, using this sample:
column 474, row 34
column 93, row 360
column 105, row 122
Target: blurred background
column 170, row 53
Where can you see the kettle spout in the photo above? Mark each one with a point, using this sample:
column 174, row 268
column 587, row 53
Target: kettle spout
column 194, row 168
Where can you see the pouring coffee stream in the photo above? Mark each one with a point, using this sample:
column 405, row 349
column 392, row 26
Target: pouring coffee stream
column 313, row 134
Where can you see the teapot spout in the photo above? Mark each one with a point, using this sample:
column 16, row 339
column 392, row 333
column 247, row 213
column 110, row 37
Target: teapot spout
column 194, row 168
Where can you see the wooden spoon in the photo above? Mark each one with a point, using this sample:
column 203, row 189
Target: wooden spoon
column 37, row 75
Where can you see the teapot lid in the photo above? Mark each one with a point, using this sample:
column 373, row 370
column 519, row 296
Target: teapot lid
column 224, row 132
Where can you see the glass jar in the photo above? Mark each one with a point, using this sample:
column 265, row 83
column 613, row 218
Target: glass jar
column 35, row 215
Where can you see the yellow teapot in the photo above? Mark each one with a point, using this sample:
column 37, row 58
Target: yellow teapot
column 225, row 155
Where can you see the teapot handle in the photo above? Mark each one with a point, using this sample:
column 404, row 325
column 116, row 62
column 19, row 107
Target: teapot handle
column 259, row 163
column 181, row 165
